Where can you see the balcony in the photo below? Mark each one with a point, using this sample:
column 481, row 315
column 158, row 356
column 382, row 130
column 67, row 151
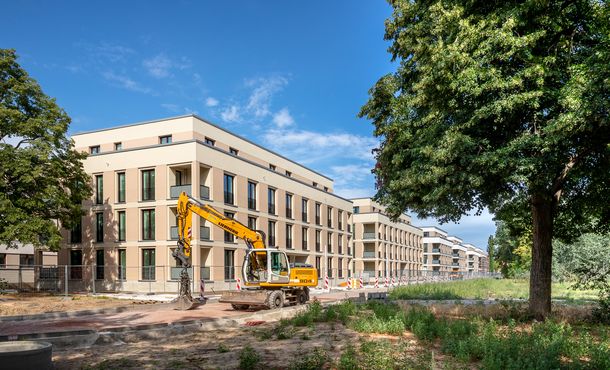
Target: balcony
column 176, row 271
column 455, row 264
column 455, row 255
column 204, row 233
column 436, row 262
column 173, row 232
column 205, row 273
column 204, row 192
column 436, row 250
column 174, row 191
column 367, row 254
column 369, row 235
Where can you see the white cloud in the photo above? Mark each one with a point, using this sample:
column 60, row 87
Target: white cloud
column 107, row 52
column 161, row 66
column 230, row 114
column 125, row 82
column 174, row 108
column 350, row 193
column 283, row 118
column 351, row 173
column 263, row 90
column 211, row 102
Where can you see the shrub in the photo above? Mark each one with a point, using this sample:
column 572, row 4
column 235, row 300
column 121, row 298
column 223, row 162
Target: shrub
column 312, row 361
column 348, row 360
column 249, row 359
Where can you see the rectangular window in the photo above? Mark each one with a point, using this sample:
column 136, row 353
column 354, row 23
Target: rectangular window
column 148, row 264
column 122, row 224
column 26, row 260
column 2, row 259
column 121, row 186
column 329, row 266
column 356, row 209
column 99, row 189
column 229, row 264
column 314, row 184
column 339, row 244
column 229, row 238
column 271, row 201
column 122, row 264
column 99, row 264
column 304, row 210
column 252, row 222
column 340, row 268
column 165, row 139
column 94, row 149
column 340, row 220
column 209, row 141
column 329, row 215
column 99, row 227
column 251, row 195
column 148, row 185
column 325, row 188
column 271, row 234
column 289, row 236
column 318, row 211
column 304, row 244
column 318, row 240
column 148, row 224
column 233, row 151
column 76, row 233
column 318, row 266
column 288, row 205
column 76, row 262
column 271, row 167
column 228, row 189
column 329, row 242
column 118, row 146
column 288, row 173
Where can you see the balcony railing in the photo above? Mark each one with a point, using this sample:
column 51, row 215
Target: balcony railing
column 204, row 192
column 368, row 254
column 366, row 235
column 205, row 273
column 173, row 232
column 436, row 262
column 455, row 255
column 204, row 233
column 436, row 250
column 455, row 264
column 174, row 191
column 176, row 271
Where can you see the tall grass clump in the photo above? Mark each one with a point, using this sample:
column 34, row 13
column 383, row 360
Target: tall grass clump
column 316, row 313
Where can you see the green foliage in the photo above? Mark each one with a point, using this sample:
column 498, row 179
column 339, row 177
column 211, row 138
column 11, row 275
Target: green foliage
column 501, row 105
column 315, row 360
column 42, row 180
column 348, row 360
column 315, row 313
column 249, row 359
column 222, row 348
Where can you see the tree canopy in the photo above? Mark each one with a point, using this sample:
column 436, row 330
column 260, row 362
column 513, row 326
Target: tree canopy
column 498, row 104
column 42, row 181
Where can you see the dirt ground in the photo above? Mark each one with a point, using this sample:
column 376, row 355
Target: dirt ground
column 30, row 304
column 278, row 348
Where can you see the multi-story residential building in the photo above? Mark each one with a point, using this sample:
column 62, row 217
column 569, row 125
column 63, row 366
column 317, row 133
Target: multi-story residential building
column 138, row 171
column 383, row 247
column 458, row 255
column 478, row 261
column 438, row 250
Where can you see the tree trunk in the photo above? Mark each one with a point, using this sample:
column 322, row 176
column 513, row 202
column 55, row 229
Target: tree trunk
column 542, row 254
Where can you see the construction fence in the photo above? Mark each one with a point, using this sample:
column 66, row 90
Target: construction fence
column 165, row 279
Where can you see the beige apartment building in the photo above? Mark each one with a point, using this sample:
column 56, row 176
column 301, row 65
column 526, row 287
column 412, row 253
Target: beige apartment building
column 126, row 238
column 458, row 255
column 383, row 247
column 477, row 259
column 438, row 250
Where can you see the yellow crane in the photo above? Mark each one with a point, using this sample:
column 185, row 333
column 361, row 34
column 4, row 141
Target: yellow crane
column 269, row 279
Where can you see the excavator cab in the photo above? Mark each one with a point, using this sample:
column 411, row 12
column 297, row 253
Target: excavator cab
column 278, row 271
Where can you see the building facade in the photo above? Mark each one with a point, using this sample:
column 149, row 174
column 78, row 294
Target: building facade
column 125, row 240
column 383, row 247
column 438, row 250
column 458, row 255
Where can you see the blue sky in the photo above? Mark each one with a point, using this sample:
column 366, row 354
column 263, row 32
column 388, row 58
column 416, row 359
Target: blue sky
column 291, row 76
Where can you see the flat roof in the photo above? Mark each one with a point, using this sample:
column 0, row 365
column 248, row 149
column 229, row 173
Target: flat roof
column 209, row 123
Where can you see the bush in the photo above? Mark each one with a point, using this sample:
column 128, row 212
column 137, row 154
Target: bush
column 348, row 360
column 312, row 361
column 249, row 359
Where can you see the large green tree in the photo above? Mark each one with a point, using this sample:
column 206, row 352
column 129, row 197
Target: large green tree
column 42, row 181
column 498, row 104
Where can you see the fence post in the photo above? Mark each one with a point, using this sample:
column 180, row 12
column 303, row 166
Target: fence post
column 66, row 279
column 93, row 273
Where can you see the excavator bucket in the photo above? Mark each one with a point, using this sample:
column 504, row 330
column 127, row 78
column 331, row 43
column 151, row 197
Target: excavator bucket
column 185, row 300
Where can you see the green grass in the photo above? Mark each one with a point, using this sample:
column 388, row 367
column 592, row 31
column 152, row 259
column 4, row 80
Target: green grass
column 485, row 289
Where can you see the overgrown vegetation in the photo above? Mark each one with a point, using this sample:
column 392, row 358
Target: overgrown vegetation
column 486, row 289
column 249, row 359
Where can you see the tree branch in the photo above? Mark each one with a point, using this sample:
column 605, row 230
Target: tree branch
column 560, row 180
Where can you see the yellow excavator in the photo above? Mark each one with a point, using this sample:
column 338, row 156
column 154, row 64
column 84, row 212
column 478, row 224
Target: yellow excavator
column 269, row 279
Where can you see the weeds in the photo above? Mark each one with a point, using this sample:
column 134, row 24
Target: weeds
column 222, row 348
column 348, row 360
column 249, row 359
column 312, row 361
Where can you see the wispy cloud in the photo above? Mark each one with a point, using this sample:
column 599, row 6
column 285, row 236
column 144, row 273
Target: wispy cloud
column 263, row 90
column 230, row 114
column 107, row 52
column 125, row 82
column 283, row 118
column 211, row 102
column 161, row 66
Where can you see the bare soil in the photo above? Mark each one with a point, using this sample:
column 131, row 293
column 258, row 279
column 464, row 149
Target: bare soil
column 30, row 304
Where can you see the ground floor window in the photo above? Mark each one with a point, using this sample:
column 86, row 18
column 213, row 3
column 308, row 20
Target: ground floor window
column 122, row 264
column 329, row 266
column 76, row 261
column 26, row 260
column 318, row 266
column 229, row 264
column 148, row 264
column 340, row 267
column 99, row 264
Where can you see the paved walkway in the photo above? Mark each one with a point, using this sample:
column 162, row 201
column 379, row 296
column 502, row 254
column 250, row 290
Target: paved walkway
column 144, row 315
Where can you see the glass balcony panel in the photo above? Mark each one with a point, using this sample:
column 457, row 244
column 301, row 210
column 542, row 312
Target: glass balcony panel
column 174, row 191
